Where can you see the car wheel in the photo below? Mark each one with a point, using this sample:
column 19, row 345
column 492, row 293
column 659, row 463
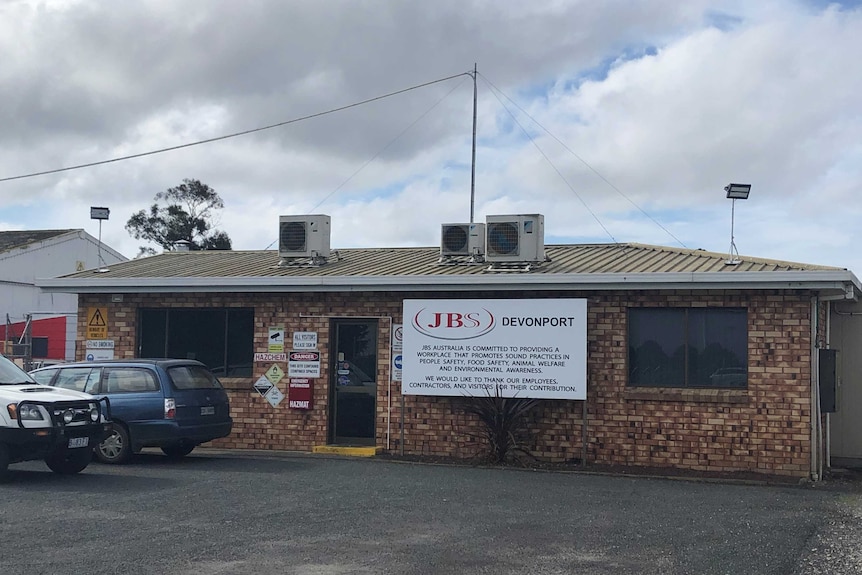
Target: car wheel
column 179, row 450
column 69, row 462
column 4, row 462
column 116, row 448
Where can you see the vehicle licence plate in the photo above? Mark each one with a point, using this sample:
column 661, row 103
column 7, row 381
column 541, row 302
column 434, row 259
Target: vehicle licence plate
column 208, row 410
column 78, row 442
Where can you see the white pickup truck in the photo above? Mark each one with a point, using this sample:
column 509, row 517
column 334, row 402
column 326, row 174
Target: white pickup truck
column 57, row 425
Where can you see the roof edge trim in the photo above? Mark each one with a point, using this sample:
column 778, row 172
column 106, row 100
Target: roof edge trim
column 838, row 279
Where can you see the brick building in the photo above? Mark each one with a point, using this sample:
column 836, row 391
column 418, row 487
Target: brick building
column 690, row 362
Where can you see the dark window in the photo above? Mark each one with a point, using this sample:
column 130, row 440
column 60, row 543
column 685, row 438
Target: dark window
column 240, row 343
column 221, row 338
column 688, row 347
column 39, row 347
column 153, row 333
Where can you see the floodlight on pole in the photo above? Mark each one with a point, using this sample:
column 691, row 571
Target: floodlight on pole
column 100, row 214
column 735, row 192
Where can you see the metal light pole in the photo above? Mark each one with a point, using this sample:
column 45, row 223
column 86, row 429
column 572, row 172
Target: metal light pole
column 735, row 192
column 100, row 214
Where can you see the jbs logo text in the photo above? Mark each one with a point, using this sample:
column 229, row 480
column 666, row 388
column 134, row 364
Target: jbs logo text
column 454, row 324
column 455, row 320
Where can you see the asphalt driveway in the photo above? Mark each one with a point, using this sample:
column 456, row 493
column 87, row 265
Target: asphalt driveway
column 218, row 513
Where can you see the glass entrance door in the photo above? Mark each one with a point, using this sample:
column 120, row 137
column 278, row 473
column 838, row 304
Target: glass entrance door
column 353, row 397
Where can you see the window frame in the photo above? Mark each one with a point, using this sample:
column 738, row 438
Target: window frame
column 714, row 351
column 40, row 375
column 231, row 360
column 65, row 375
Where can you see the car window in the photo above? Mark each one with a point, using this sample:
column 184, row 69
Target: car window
column 193, row 377
column 129, row 380
column 11, row 373
column 74, row 378
column 43, row 376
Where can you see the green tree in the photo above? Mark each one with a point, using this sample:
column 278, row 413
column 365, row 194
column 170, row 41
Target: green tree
column 184, row 212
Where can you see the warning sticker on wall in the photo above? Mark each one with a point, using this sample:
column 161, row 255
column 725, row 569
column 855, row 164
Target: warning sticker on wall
column 274, row 396
column 276, row 339
column 97, row 323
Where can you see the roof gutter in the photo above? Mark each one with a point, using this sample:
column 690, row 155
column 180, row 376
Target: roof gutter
column 839, row 283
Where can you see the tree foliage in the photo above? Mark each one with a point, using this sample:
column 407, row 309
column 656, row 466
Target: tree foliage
column 185, row 212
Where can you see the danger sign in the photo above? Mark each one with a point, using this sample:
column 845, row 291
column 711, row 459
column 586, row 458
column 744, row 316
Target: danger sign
column 304, row 364
column 97, row 323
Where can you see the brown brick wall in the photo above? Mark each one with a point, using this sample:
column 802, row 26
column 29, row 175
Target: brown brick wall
column 765, row 428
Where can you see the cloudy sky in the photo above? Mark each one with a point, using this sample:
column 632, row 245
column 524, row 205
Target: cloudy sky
column 619, row 120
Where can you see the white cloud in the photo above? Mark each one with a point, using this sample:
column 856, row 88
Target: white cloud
column 667, row 101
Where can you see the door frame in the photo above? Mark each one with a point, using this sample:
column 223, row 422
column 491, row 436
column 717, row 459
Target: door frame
column 337, row 391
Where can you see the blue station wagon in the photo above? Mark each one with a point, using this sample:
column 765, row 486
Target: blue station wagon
column 173, row 404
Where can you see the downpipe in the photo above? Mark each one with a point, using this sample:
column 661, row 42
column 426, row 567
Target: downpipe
column 815, row 466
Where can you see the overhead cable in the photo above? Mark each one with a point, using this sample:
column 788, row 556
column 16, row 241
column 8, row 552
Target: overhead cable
column 584, row 162
column 547, row 159
column 375, row 156
column 227, row 136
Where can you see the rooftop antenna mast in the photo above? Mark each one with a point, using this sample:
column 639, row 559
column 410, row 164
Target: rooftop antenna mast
column 473, row 163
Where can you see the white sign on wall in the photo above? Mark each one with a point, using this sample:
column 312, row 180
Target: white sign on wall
column 303, row 364
column 276, row 339
column 533, row 348
column 274, row 396
column 99, row 349
column 397, row 350
column 303, row 340
column 267, row 357
column 262, row 385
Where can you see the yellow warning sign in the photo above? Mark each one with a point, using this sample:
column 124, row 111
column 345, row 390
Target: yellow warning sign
column 97, row 323
column 274, row 373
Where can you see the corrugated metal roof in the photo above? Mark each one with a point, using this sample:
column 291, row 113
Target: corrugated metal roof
column 568, row 267
column 9, row 240
column 424, row 261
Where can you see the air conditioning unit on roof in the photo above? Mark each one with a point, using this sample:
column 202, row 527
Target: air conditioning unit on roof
column 462, row 240
column 517, row 238
column 303, row 236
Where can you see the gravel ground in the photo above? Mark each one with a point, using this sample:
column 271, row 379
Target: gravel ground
column 280, row 513
column 836, row 546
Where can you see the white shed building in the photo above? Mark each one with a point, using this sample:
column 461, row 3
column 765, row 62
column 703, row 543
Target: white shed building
column 29, row 254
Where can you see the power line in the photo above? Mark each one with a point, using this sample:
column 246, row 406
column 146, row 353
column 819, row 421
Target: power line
column 547, row 159
column 234, row 135
column 375, row 156
column 386, row 147
column 584, row 162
